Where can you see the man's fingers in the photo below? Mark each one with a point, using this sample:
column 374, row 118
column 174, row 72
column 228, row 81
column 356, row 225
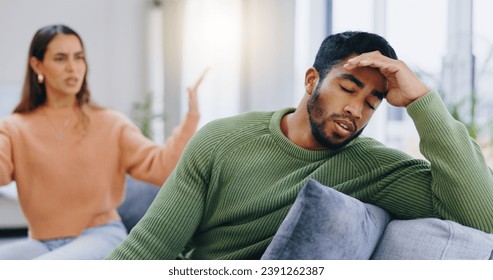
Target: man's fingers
column 372, row 59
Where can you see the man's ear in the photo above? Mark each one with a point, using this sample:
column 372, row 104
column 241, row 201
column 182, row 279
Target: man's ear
column 35, row 64
column 311, row 80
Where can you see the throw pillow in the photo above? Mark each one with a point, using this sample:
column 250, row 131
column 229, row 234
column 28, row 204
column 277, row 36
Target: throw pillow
column 326, row 224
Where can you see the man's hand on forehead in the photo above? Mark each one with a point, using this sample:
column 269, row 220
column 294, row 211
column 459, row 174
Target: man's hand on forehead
column 404, row 86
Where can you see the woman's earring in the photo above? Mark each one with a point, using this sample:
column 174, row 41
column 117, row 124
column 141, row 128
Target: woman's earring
column 41, row 78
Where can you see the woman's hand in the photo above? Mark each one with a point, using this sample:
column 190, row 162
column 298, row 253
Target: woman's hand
column 193, row 102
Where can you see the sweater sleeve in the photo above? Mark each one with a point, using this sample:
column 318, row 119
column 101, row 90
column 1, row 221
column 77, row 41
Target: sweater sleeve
column 146, row 161
column 462, row 183
column 176, row 212
column 6, row 163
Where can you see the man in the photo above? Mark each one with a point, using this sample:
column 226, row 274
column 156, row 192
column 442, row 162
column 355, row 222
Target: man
column 239, row 176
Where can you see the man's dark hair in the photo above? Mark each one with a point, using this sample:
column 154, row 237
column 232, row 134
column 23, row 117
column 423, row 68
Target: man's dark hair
column 337, row 47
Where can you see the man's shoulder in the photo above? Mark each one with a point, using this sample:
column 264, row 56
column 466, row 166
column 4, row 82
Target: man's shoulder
column 240, row 122
column 233, row 130
column 370, row 148
column 253, row 116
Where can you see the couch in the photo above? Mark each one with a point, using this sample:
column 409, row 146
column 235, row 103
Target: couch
column 138, row 197
column 326, row 224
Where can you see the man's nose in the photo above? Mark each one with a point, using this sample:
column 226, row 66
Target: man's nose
column 355, row 109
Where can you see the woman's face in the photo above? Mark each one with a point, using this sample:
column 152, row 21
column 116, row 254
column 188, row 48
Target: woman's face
column 63, row 66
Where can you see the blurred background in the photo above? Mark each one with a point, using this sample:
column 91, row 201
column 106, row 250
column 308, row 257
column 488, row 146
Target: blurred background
column 142, row 54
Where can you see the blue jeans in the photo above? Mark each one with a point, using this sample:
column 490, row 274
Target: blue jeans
column 93, row 244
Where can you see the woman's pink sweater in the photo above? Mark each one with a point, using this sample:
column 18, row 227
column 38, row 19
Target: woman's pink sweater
column 68, row 180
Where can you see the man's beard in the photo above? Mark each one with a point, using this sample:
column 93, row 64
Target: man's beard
column 318, row 127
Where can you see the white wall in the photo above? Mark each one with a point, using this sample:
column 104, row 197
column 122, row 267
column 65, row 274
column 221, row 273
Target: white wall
column 257, row 51
column 309, row 31
column 113, row 34
column 268, row 49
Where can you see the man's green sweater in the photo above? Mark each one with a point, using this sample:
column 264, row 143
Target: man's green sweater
column 239, row 176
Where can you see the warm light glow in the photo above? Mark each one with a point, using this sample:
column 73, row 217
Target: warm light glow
column 213, row 39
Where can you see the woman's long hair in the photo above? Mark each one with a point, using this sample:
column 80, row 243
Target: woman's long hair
column 34, row 93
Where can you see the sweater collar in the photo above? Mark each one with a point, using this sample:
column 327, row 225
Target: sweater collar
column 293, row 149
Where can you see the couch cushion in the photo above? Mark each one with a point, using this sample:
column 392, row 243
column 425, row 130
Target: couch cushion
column 326, row 224
column 432, row 239
column 138, row 197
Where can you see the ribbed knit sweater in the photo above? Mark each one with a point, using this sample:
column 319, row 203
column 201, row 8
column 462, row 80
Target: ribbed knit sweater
column 239, row 177
column 66, row 181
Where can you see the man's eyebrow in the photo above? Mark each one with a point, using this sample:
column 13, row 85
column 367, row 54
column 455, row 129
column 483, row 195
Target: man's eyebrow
column 353, row 79
column 380, row 95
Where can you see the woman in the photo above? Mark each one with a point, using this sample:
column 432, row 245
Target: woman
column 69, row 157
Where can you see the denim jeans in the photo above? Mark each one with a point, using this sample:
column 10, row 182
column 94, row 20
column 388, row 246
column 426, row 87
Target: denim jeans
column 93, row 244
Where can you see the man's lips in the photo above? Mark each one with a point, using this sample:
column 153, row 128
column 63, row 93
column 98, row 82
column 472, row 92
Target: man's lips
column 345, row 126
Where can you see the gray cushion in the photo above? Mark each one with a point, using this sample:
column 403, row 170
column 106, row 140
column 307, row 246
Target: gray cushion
column 326, row 224
column 432, row 239
column 138, row 197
